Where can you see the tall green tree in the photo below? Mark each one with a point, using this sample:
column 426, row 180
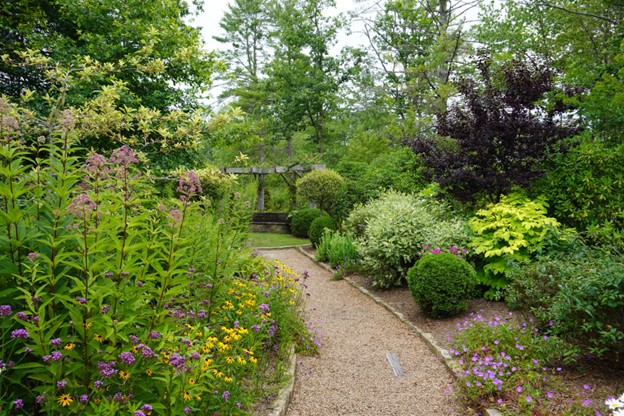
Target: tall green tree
column 418, row 45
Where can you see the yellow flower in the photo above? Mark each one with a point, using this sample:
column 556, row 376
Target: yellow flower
column 124, row 375
column 253, row 360
column 88, row 325
column 149, row 372
column 228, row 379
column 99, row 338
column 241, row 361
column 65, row 400
column 191, row 381
column 229, row 360
column 69, row 346
column 187, row 396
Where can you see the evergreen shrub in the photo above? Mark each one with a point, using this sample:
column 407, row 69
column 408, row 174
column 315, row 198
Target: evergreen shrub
column 318, row 227
column 301, row 220
column 581, row 295
column 441, row 284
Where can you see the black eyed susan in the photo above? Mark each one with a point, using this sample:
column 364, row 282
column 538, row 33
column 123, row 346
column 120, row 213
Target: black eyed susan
column 65, row 400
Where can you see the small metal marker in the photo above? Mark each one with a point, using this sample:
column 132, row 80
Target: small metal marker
column 393, row 359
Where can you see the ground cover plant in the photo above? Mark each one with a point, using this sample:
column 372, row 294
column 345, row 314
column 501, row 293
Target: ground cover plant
column 339, row 250
column 112, row 301
column 516, row 368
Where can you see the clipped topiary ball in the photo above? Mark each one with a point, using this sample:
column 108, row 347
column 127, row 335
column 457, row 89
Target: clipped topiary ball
column 441, row 284
column 318, row 226
column 301, row 220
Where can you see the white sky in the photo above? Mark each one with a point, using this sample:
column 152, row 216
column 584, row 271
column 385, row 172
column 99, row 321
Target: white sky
column 214, row 10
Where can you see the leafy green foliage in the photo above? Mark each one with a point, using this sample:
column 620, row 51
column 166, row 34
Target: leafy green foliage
column 512, row 230
column 581, row 293
column 392, row 230
column 498, row 136
column 322, row 186
column 301, row 220
column 586, row 189
column 108, row 292
column 441, row 284
column 318, row 227
column 339, row 249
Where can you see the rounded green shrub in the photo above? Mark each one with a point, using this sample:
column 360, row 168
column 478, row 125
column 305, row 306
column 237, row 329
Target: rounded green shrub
column 318, row 226
column 441, row 284
column 322, row 186
column 301, row 220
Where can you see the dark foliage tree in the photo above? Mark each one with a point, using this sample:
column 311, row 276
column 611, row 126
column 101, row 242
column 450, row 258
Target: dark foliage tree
column 499, row 134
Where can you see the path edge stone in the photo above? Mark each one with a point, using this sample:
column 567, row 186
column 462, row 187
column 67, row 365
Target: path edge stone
column 441, row 353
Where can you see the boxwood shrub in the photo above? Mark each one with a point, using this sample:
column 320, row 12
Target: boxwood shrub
column 318, row 226
column 301, row 220
column 441, row 284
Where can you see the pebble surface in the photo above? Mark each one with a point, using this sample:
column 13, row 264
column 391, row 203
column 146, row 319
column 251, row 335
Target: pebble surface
column 352, row 375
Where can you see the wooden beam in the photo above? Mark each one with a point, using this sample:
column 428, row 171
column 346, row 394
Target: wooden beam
column 277, row 169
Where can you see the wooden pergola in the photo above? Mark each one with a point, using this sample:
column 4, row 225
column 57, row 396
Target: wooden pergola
column 289, row 174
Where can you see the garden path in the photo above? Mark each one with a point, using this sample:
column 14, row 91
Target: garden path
column 352, row 374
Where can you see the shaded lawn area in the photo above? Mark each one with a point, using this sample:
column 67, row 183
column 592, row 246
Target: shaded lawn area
column 256, row 240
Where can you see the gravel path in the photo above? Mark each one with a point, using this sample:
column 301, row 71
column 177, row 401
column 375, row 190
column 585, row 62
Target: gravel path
column 352, row 375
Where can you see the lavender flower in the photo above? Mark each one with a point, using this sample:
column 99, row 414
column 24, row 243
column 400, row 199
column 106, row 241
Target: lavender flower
column 20, row 333
column 5, row 310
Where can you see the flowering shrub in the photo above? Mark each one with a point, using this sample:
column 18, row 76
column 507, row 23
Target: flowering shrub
column 513, row 367
column 112, row 302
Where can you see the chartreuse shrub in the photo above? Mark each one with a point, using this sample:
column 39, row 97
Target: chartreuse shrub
column 511, row 231
column 514, row 367
column 113, row 302
column 393, row 229
column 441, row 284
column 338, row 249
column 301, row 220
column 582, row 293
column 318, row 227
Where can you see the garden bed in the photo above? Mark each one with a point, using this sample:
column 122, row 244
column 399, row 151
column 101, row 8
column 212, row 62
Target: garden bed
column 588, row 380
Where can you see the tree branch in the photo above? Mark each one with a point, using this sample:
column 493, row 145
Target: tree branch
column 595, row 16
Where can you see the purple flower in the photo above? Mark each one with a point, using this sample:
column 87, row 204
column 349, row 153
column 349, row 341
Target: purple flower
column 153, row 335
column 147, row 408
column 98, row 384
column 46, row 358
column 189, row 185
column 134, row 339
column 264, row 307
column 55, row 341
column 5, row 310
column 107, row 369
column 586, row 402
column 56, row 355
column 20, row 333
column 41, row 398
column 18, row 403
column 61, row 384
column 84, row 398
column 105, row 309
column 22, row 316
column 187, row 410
column 139, row 413
column 550, row 394
column 226, row 395
column 123, row 156
column 529, row 399
column 82, row 205
column 127, row 357
column 81, row 300
column 519, row 389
